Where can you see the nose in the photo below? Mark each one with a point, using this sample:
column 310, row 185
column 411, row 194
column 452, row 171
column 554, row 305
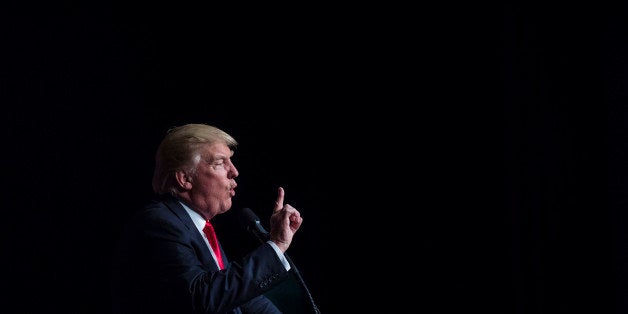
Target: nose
column 233, row 171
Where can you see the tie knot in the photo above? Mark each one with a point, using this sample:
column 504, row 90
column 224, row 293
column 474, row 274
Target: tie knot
column 209, row 228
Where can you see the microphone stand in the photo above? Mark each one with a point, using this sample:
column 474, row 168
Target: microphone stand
column 296, row 272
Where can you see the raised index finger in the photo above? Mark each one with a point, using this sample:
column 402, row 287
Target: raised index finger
column 279, row 201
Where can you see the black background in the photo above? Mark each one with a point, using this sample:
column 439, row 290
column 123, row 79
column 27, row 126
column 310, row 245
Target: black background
column 482, row 145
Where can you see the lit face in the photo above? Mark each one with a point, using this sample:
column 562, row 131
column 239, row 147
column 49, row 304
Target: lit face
column 213, row 185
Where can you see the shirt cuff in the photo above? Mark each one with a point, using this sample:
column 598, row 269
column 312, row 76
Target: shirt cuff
column 280, row 254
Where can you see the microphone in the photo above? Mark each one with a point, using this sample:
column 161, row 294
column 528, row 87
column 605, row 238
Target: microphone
column 250, row 221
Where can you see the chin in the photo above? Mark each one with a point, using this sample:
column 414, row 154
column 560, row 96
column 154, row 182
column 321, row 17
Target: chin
column 228, row 205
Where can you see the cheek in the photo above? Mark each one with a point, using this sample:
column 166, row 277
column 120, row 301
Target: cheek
column 216, row 182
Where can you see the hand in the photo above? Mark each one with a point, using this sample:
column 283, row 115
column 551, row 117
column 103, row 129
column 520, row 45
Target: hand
column 284, row 222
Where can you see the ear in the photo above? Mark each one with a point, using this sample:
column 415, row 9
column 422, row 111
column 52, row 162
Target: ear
column 183, row 180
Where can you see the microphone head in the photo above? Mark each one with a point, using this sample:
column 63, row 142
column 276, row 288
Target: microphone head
column 247, row 217
column 249, row 221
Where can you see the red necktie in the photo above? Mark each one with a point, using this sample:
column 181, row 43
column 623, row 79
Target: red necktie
column 211, row 236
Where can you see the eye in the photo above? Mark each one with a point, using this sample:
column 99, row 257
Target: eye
column 218, row 163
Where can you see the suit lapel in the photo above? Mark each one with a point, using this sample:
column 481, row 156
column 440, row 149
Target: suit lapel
column 173, row 204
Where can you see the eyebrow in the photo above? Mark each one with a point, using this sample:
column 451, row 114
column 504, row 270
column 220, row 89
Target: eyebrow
column 220, row 156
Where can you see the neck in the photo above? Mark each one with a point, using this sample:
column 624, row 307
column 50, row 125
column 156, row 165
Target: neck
column 187, row 201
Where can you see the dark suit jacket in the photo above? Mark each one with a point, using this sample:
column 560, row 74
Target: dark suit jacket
column 164, row 266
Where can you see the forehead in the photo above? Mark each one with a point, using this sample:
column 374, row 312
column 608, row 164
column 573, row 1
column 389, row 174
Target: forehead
column 218, row 149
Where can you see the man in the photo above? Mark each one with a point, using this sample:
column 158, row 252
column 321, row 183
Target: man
column 166, row 263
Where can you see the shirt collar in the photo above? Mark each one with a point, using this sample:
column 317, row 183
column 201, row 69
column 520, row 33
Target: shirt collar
column 199, row 221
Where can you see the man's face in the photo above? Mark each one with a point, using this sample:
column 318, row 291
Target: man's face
column 214, row 184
